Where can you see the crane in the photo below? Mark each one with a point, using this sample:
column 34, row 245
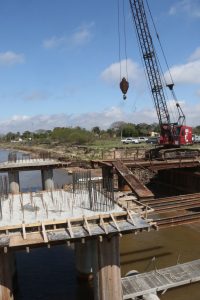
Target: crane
column 172, row 134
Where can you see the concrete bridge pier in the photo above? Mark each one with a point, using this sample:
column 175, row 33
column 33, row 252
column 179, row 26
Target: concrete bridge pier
column 106, row 269
column 84, row 259
column 107, row 175
column 7, row 272
column 47, row 179
column 14, row 185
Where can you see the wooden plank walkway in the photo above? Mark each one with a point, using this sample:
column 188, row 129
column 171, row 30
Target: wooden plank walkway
column 161, row 280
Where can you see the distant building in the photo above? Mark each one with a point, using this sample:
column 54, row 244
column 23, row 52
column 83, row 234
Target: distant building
column 154, row 134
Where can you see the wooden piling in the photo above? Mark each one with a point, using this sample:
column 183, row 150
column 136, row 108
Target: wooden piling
column 106, row 268
column 6, row 276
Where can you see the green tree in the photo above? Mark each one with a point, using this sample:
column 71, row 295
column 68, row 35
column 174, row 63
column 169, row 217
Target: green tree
column 129, row 129
column 96, row 130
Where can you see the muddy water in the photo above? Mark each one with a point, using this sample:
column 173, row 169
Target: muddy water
column 49, row 274
column 181, row 243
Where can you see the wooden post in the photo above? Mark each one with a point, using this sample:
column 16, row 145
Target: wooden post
column 107, row 175
column 6, row 276
column 102, row 154
column 106, row 268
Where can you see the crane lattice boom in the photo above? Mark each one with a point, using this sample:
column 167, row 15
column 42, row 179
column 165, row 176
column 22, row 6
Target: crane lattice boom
column 150, row 60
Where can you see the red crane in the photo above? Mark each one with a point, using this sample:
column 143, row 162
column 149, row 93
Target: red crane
column 172, row 134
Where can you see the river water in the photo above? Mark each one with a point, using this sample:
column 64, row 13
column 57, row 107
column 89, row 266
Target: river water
column 49, row 274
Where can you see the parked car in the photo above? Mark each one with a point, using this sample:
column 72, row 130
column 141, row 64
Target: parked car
column 152, row 140
column 127, row 140
column 195, row 138
column 142, row 139
column 130, row 140
column 135, row 141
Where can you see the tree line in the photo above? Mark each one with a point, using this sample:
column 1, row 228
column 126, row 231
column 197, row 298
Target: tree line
column 78, row 135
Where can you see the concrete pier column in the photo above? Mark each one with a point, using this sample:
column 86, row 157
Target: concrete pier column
column 47, row 179
column 13, row 177
column 6, row 276
column 107, row 175
column 106, row 268
column 84, row 259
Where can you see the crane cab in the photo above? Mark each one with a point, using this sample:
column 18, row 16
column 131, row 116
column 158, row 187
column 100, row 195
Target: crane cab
column 176, row 135
column 182, row 135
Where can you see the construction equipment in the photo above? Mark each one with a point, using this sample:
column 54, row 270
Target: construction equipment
column 172, row 134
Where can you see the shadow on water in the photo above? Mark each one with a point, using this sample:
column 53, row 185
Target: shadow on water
column 141, row 250
column 49, row 274
column 144, row 258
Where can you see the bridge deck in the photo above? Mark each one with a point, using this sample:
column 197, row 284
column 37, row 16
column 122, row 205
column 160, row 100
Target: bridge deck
column 153, row 165
column 160, row 280
column 31, row 164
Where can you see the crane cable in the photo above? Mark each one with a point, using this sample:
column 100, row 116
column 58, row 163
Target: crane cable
column 119, row 42
column 166, row 62
column 124, row 38
column 158, row 37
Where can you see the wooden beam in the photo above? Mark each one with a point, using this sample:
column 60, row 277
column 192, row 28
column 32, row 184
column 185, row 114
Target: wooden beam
column 107, row 275
column 6, row 289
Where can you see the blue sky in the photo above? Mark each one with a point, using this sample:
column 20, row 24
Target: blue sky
column 59, row 62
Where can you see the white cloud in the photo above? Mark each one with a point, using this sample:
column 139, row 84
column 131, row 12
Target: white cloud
column 102, row 119
column 198, row 93
column 192, row 113
column 190, row 7
column 80, row 36
column 35, row 96
column 186, row 73
column 54, row 42
column 10, row 58
column 112, row 73
column 195, row 55
column 86, row 120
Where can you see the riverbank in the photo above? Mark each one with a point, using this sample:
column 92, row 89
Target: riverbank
column 57, row 153
column 66, row 152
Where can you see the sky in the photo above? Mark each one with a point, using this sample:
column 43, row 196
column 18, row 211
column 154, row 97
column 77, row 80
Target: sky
column 60, row 62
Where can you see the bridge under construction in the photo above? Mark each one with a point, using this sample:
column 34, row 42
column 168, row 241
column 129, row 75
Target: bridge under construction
column 93, row 214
